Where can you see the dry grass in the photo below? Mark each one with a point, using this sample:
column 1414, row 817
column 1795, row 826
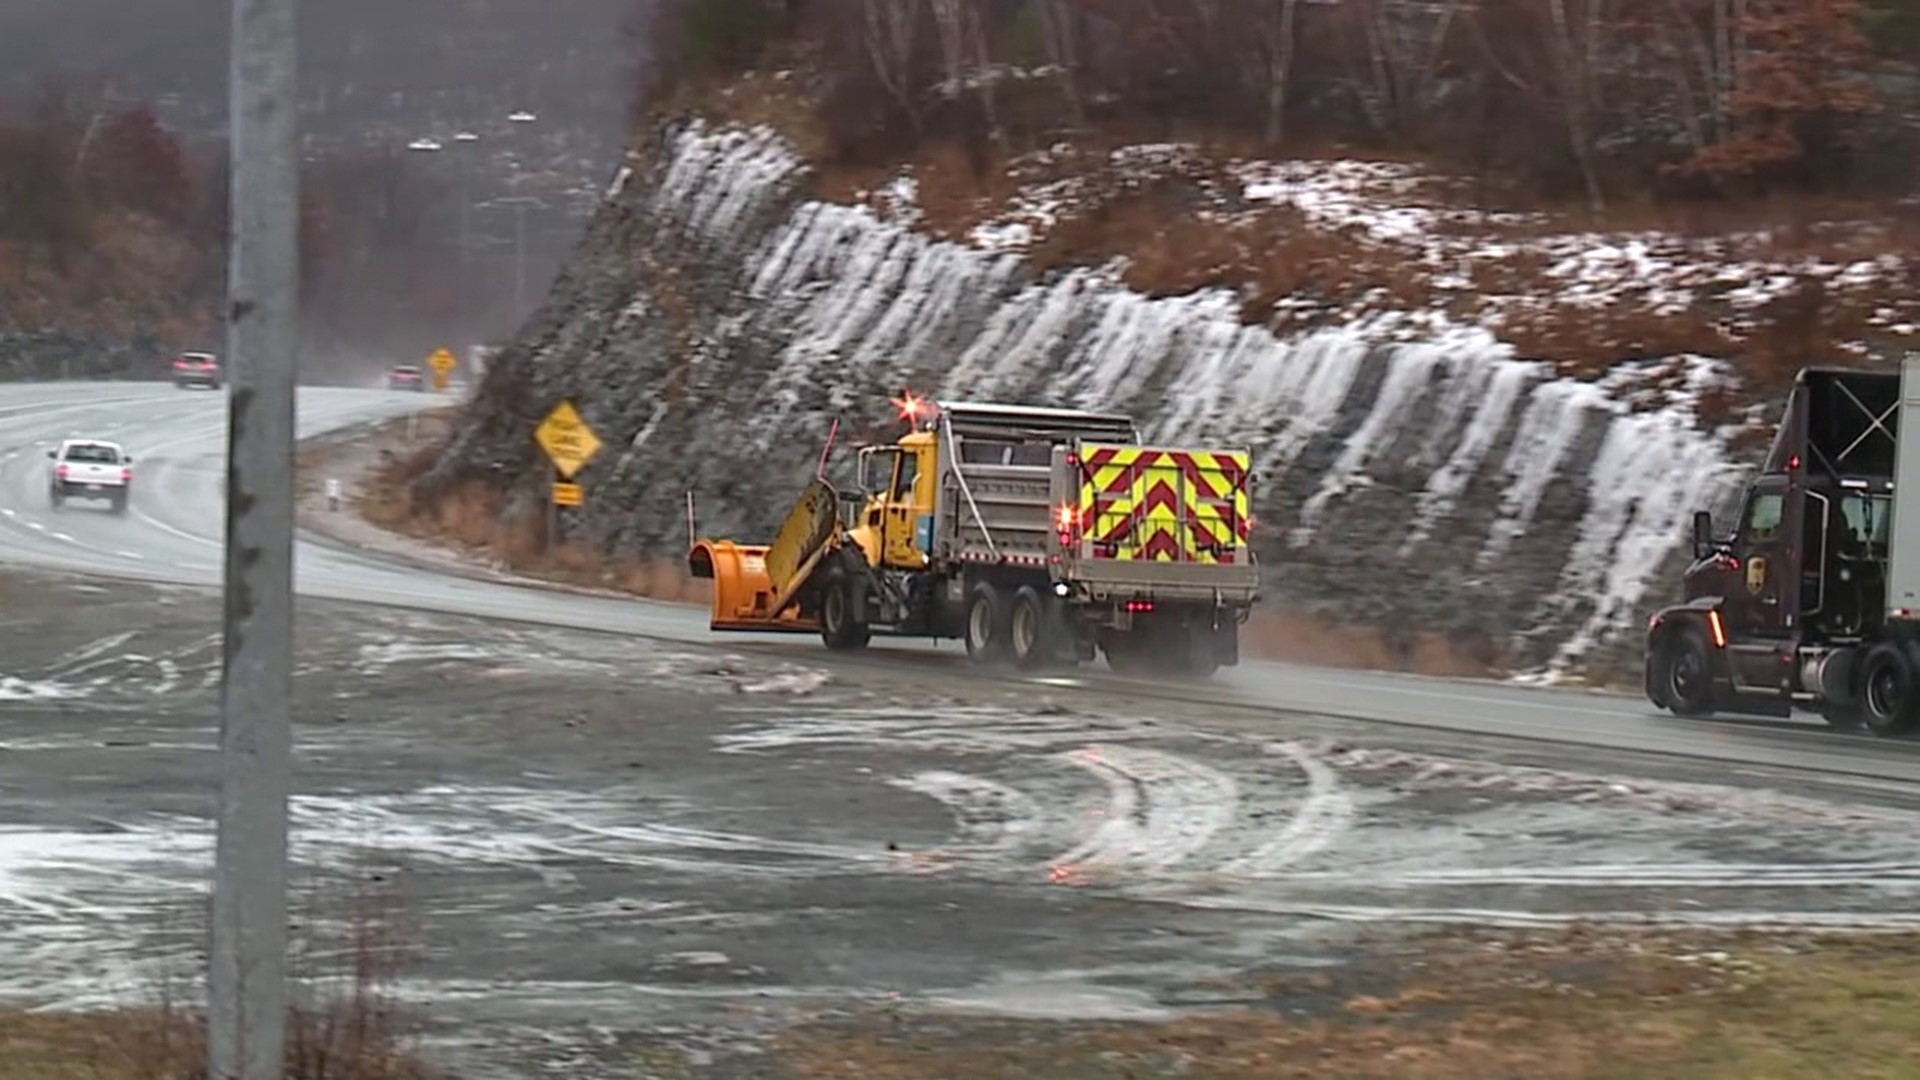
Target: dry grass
column 342, row 1023
column 472, row 518
column 1320, row 642
column 1578, row 1006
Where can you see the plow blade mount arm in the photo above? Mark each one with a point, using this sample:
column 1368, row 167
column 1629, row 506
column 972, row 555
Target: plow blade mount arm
column 755, row 585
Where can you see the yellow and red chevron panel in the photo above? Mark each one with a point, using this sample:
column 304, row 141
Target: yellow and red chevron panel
column 1160, row 505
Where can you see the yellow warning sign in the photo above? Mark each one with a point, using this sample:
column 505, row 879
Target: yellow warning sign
column 567, row 439
column 568, row 494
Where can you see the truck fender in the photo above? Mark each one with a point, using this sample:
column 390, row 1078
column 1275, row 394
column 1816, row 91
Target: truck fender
column 1702, row 613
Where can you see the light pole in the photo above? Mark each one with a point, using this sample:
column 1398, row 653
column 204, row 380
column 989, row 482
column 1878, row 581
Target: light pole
column 247, row 938
column 520, row 203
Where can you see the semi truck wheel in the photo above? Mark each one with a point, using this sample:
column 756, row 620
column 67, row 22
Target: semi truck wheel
column 1887, row 690
column 987, row 629
column 1029, row 635
column 1685, row 672
column 837, row 626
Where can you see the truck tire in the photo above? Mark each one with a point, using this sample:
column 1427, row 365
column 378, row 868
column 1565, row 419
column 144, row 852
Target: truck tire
column 838, row 628
column 987, row 629
column 1887, row 698
column 119, row 505
column 1030, row 630
column 1683, row 669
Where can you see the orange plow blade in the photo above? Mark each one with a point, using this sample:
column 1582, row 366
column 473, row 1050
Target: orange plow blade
column 743, row 592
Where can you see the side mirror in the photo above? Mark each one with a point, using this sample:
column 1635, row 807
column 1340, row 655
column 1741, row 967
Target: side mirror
column 1702, row 534
column 128, row 460
column 51, row 454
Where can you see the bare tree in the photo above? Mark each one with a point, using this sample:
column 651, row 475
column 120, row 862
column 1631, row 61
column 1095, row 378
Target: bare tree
column 1060, row 31
column 1279, row 34
column 963, row 52
column 892, row 34
column 1576, row 54
column 1403, row 45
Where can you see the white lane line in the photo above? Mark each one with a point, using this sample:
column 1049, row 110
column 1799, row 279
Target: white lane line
column 1324, row 813
column 134, row 555
column 1777, row 876
column 36, row 526
column 63, row 537
column 181, row 533
column 9, row 511
column 1521, row 919
column 1160, row 809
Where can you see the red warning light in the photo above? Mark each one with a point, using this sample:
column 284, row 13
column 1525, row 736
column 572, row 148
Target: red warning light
column 912, row 409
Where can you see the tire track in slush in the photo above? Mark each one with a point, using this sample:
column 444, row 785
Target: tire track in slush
column 1160, row 809
column 992, row 818
column 1325, row 811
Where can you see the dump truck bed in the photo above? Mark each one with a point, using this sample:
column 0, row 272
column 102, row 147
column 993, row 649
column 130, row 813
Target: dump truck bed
column 1119, row 519
column 1163, row 521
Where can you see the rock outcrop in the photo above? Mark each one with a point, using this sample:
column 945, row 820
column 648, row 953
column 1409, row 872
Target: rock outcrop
column 717, row 318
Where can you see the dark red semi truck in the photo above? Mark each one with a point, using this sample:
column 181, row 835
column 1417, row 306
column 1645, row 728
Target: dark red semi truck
column 1812, row 598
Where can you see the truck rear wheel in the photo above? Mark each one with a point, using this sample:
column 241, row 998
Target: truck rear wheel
column 1887, row 690
column 1030, row 628
column 987, row 624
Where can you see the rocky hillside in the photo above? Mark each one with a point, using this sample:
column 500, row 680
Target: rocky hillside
column 1417, row 475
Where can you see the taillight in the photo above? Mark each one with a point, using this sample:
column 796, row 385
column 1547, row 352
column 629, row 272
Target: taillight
column 126, row 475
column 1139, row 605
column 61, row 472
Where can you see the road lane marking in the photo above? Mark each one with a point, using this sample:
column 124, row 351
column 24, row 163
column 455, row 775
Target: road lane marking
column 131, row 555
column 63, row 537
column 181, row 533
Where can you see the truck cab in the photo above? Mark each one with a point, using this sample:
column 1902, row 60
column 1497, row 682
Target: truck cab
column 894, row 528
column 1787, row 606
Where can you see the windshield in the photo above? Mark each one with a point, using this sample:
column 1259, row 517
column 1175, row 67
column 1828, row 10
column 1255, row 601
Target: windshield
column 1867, row 517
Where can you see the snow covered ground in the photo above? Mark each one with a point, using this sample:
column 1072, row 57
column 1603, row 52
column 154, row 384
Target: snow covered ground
column 1474, row 260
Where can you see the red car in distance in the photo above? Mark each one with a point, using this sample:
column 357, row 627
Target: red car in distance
column 197, row 369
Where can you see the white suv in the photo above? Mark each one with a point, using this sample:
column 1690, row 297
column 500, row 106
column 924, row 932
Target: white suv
column 90, row 469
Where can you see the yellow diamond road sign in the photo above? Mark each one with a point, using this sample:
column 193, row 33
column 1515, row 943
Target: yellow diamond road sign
column 442, row 361
column 567, row 439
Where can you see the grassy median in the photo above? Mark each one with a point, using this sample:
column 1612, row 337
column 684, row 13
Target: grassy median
column 1575, row 1006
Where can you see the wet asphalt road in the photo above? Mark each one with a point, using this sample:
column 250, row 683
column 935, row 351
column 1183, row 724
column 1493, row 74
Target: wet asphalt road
column 646, row 839
column 172, row 534
column 593, row 842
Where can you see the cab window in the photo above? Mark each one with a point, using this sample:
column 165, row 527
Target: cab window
column 876, row 466
column 903, row 477
column 1763, row 517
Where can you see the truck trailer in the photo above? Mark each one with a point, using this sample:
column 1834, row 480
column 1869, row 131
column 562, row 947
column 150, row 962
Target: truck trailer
column 1036, row 536
column 1813, row 597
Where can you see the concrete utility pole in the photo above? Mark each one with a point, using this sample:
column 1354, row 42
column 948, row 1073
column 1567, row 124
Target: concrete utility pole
column 247, row 951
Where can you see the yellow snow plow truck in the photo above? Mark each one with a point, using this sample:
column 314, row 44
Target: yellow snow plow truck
column 1037, row 536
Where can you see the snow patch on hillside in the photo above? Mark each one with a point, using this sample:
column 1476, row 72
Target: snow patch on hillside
column 1484, row 265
